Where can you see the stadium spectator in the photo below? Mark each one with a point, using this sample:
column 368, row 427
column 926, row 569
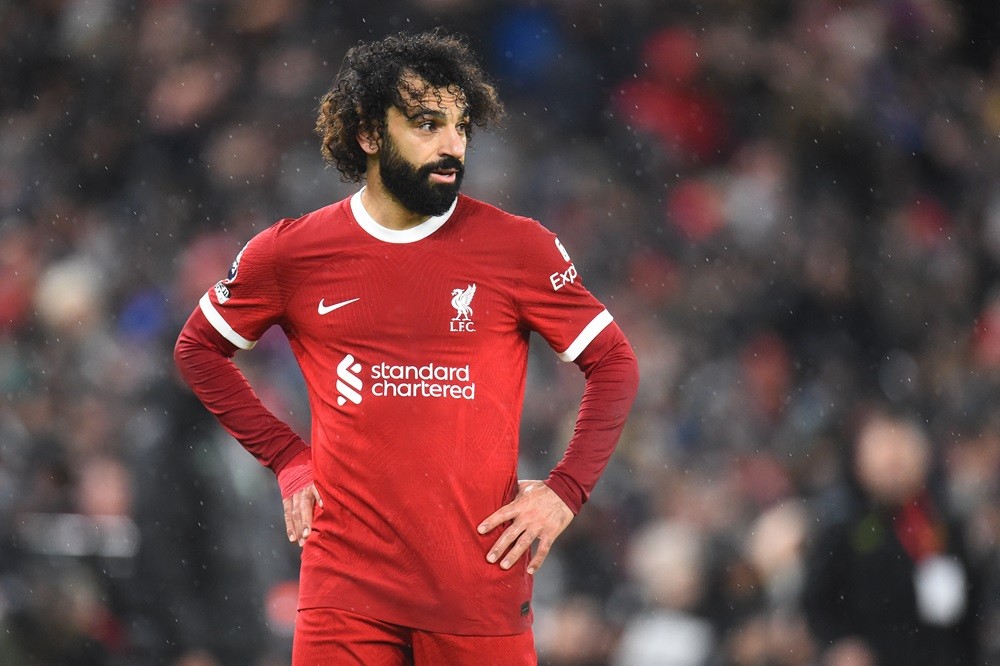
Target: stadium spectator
column 889, row 579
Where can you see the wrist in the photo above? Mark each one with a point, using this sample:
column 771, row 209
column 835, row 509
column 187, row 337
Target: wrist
column 563, row 491
column 297, row 474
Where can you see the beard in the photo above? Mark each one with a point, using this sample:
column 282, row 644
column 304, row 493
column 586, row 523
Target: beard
column 410, row 185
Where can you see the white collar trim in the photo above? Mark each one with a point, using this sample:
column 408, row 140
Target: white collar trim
column 411, row 235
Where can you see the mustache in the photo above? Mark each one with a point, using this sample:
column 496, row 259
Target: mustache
column 444, row 163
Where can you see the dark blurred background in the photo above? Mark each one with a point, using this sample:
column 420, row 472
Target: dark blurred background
column 791, row 208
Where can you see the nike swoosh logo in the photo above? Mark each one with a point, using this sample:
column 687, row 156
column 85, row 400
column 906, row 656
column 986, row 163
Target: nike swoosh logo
column 324, row 309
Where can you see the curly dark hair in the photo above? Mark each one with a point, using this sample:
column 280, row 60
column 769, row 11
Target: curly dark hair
column 373, row 77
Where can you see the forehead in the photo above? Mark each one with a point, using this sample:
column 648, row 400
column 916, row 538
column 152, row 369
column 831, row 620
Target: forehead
column 890, row 438
column 415, row 94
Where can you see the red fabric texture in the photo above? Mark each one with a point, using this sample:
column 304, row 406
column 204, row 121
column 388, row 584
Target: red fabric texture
column 297, row 474
column 204, row 359
column 329, row 636
column 612, row 383
column 415, row 397
column 918, row 529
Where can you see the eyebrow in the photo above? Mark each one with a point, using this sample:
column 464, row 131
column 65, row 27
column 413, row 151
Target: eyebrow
column 424, row 111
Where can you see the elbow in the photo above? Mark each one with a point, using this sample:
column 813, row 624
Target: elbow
column 636, row 378
column 179, row 351
column 183, row 353
column 623, row 356
column 632, row 368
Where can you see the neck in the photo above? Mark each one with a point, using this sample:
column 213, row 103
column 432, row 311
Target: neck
column 384, row 208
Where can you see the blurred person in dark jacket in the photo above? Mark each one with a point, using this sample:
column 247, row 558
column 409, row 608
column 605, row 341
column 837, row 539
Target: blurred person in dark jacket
column 889, row 581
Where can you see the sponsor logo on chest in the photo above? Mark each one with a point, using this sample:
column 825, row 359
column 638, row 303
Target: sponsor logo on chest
column 385, row 380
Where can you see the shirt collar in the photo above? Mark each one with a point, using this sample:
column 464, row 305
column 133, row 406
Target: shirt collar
column 411, row 235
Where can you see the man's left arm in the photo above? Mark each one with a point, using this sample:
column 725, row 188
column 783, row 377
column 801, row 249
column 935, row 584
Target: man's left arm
column 542, row 510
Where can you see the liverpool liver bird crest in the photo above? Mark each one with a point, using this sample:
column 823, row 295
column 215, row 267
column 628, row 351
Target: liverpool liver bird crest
column 461, row 300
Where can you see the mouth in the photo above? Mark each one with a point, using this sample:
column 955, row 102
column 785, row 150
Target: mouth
column 444, row 176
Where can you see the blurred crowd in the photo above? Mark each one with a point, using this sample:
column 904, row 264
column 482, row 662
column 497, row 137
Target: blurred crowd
column 791, row 208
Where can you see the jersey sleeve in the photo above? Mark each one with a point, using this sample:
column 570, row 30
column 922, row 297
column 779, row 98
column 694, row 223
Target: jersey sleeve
column 248, row 301
column 551, row 298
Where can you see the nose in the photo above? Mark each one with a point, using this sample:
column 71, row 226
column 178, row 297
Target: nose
column 453, row 142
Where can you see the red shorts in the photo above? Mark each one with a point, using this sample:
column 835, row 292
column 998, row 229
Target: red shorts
column 326, row 636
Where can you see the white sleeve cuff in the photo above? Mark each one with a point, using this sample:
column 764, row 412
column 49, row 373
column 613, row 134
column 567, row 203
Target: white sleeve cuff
column 587, row 335
column 222, row 326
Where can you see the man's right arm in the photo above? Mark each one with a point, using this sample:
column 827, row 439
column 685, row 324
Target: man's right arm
column 204, row 358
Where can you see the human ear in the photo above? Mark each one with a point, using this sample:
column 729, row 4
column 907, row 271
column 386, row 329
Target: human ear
column 368, row 140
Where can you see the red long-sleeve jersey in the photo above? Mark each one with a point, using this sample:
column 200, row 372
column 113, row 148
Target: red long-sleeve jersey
column 413, row 345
